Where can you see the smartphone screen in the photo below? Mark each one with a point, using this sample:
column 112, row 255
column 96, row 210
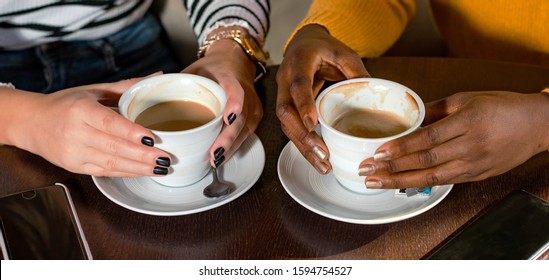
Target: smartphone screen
column 515, row 228
column 41, row 224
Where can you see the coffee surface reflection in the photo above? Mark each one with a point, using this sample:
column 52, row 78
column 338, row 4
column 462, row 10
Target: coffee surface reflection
column 368, row 123
column 175, row 115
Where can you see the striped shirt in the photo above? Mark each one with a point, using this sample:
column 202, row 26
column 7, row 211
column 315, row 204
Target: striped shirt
column 205, row 15
column 28, row 23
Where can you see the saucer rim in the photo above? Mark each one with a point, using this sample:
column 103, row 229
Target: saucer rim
column 258, row 163
column 391, row 218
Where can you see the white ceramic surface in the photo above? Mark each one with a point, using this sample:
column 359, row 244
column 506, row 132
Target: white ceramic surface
column 324, row 195
column 145, row 196
column 189, row 149
column 347, row 151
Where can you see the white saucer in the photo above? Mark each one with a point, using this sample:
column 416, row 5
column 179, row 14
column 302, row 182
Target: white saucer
column 144, row 195
column 324, row 195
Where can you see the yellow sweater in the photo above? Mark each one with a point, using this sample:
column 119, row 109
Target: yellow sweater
column 506, row 30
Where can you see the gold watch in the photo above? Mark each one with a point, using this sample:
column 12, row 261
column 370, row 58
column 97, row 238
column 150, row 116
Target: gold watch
column 246, row 42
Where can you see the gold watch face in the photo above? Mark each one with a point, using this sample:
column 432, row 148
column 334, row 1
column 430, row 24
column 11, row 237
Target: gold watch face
column 254, row 50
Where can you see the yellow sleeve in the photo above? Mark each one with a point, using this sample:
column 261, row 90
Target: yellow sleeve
column 368, row 27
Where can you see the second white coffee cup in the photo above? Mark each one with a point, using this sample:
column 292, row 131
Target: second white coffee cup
column 357, row 116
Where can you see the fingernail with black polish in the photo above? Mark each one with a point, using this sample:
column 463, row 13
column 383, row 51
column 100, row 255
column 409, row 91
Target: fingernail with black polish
column 231, row 118
column 160, row 170
column 219, row 161
column 218, row 153
column 148, row 141
column 163, row 161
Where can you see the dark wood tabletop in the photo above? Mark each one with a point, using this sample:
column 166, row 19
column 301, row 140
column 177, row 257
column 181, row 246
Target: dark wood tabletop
column 265, row 222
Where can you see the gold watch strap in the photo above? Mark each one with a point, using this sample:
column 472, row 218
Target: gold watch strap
column 248, row 44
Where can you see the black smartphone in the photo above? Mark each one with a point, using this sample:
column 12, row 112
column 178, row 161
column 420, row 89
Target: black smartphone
column 515, row 228
column 41, row 224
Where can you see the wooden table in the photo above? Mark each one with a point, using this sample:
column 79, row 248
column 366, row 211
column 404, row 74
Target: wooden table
column 266, row 223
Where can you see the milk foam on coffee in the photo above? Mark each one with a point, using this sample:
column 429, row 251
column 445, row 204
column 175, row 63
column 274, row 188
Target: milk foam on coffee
column 164, row 91
column 369, row 123
column 175, row 115
column 364, row 95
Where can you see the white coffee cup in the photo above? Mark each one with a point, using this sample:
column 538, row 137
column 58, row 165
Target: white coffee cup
column 189, row 149
column 347, row 151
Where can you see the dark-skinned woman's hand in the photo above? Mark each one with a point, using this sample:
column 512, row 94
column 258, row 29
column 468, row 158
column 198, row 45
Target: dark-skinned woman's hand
column 468, row 136
column 312, row 57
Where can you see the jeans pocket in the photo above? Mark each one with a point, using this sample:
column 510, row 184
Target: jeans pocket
column 109, row 57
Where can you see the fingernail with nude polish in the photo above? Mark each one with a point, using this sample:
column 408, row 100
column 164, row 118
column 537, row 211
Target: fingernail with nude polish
column 366, row 170
column 383, row 155
column 373, row 184
column 147, row 141
column 163, row 161
column 160, row 170
column 218, row 153
column 231, row 118
column 319, row 153
column 308, row 122
column 322, row 167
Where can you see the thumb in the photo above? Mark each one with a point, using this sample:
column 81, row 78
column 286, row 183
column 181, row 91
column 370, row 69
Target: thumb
column 439, row 109
column 435, row 111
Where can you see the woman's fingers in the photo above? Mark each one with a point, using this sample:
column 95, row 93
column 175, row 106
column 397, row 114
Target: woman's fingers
column 423, row 139
column 311, row 146
column 438, row 175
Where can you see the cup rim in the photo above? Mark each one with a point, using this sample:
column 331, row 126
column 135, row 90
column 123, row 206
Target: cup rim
column 211, row 85
column 325, row 125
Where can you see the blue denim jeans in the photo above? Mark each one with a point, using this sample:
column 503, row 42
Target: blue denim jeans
column 135, row 51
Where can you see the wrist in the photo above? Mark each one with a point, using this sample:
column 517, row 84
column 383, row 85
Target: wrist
column 233, row 56
column 226, row 48
column 311, row 31
column 16, row 107
column 314, row 28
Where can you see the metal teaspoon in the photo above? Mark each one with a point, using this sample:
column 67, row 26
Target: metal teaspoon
column 216, row 188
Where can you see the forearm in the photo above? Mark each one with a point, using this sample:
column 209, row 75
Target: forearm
column 16, row 108
column 545, row 118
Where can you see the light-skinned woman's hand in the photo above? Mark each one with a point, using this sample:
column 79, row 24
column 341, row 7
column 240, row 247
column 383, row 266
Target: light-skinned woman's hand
column 312, row 57
column 73, row 129
column 469, row 136
column 226, row 63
